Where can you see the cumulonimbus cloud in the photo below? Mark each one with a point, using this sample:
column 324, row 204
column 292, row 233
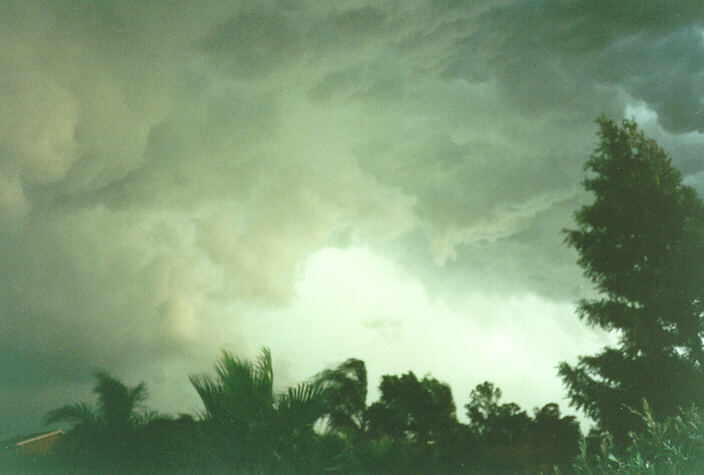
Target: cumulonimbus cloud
column 160, row 167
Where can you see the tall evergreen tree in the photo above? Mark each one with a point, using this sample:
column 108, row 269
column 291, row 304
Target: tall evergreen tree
column 641, row 242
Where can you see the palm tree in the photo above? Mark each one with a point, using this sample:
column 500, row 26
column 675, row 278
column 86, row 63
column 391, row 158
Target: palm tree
column 79, row 414
column 252, row 427
column 117, row 405
column 349, row 382
column 241, row 392
column 104, row 434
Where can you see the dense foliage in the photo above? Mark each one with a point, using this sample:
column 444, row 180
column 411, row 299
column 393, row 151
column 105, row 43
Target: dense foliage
column 108, row 433
column 675, row 445
column 250, row 427
column 322, row 425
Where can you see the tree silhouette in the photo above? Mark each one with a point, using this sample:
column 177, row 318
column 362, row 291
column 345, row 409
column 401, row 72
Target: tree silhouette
column 246, row 427
column 555, row 438
column 117, row 405
column 412, row 428
column 104, row 435
column 506, row 438
column 349, row 397
column 421, row 411
column 641, row 242
column 503, row 431
column 251, row 427
column 483, row 405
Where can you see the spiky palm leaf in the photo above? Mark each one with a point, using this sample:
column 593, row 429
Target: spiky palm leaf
column 241, row 392
column 252, row 428
column 302, row 405
column 77, row 414
column 247, row 387
column 116, row 407
column 211, row 394
column 349, row 384
column 117, row 402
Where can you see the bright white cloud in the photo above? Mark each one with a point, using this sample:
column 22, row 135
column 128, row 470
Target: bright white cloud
column 385, row 317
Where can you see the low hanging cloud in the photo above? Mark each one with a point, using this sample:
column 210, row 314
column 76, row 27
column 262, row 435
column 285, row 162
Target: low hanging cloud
column 169, row 173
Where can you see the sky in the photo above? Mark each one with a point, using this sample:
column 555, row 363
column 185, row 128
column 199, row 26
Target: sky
column 381, row 180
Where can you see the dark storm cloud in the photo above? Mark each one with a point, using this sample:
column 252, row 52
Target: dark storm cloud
column 560, row 55
column 167, row 172
column 253, row 43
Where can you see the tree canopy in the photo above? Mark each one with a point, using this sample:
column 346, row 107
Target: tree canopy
column 247, row 426
column 348, row 383
column 106, row 433
column 641, row 242
column 420, row 410
column 254, row 427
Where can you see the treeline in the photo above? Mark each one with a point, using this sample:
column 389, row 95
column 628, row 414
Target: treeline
column 325, row 425
column 321, row 425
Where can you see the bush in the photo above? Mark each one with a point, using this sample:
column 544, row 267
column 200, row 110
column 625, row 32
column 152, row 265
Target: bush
column 675, row 445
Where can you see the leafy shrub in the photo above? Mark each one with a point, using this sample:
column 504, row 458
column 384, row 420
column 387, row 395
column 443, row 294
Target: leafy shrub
column 675, row 445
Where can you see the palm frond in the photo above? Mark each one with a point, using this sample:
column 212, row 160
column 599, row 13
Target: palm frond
column 138, row 394
column 304, row 404
column 79, row 413
column 143, row 418
column 349, row 385
column 241, row 391
column 265, row 373
column 210, row 393
column 117, row 402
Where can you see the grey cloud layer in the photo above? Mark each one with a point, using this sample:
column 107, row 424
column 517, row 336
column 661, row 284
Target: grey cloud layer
column 158, row 163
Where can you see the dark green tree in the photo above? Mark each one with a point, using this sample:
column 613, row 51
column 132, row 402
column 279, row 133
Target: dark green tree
column 104, row 436
column 117, row 405
column 673, row 445
column 641, row 242
column 412, row 428
column 501, row 431
column 506, row 439
column 555, row 439
column 505, row 424
column 349, row 396
column 250, row 426
column 421, row 411
column 483, row 405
